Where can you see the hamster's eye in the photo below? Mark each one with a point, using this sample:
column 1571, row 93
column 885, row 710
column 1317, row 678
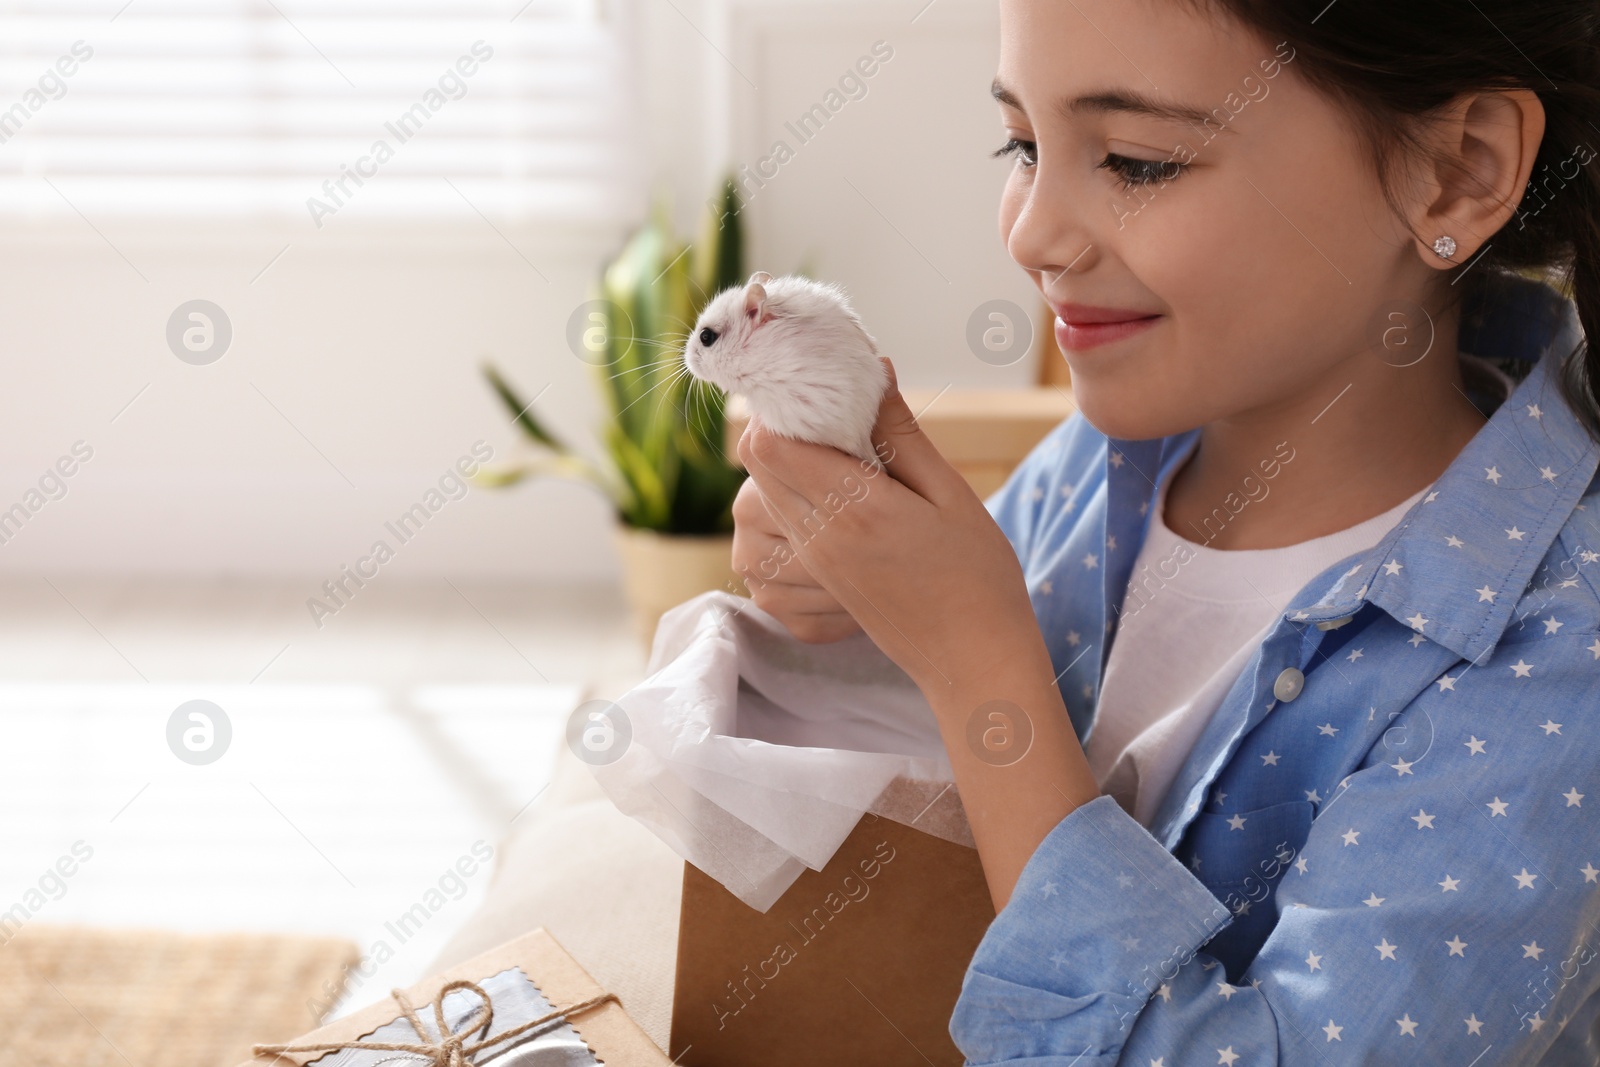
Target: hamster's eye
column 708, row 337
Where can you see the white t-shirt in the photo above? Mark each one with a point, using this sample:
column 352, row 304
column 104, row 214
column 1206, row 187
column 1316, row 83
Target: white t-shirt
column 1192, row 619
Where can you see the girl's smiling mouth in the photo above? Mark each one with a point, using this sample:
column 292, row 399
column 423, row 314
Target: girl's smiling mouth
column 1080, row 327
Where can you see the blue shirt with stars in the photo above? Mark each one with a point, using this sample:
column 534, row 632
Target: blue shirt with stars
column 1385, row 843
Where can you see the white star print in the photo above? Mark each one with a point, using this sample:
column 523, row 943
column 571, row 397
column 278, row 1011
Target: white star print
column 1531, row 950
column 1430, row 498
column 1416, row 639
column 1547, row 474
column 1423, row 820
column 1401, row 767
column 1589, row 872
column 1236, row 822
column 1393, row 567
column 1124, row 880
column 1373, row 900
column 1497, row 806
column 1521, row 667
column 1060, row 960
column 1313, row 796
column 1485, row 593
column 1270, row 759
column 1111, row 543
column 1385, row 950
column 1073, row 637
column 1551, row 625
column 1407, row 1027
column 1047, row 587
column 1447, row 682
column 1226, row 991
column 1091, row 561
column 1536, row 1022
column 1450, row 884
column 1474, row 1024
column 1595, row 648
column 1475, row 745
column 1574, row 798
column 1533, row 411
column 1313, row 961
column 1227, row 1055
column 1492, row 474
column 1116, row 459
column 1354, row 655
column 1458, row 947
column 1164, row 991
column 1550, row 727
column 1417, row 622
column 1327, row 729
column 1453, row 541
column 1524, row 880
column 1300, row 865
column 1048, row 889
column 1515, row 534
column 1333, row 1031
column 1350, row 837
column 1066, row 490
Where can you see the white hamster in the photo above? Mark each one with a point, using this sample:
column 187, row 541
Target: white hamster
column 798, row 354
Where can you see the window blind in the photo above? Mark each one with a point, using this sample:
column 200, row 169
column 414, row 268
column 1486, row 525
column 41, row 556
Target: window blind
column 317, row 109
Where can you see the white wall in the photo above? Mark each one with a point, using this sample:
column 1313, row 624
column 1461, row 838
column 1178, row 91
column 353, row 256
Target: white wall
column 354, row 358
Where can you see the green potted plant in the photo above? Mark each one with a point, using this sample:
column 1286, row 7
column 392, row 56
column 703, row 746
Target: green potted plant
column 665, row 471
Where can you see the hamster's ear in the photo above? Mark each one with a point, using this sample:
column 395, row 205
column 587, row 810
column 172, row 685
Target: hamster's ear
column 760, row 277
column 755, row 299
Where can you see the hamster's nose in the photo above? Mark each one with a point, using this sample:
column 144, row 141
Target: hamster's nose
column 708, row 337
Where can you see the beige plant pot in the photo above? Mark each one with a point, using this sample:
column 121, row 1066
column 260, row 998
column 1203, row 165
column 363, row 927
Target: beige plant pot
column 661, row 571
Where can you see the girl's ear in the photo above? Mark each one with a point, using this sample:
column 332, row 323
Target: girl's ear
column 755, row 298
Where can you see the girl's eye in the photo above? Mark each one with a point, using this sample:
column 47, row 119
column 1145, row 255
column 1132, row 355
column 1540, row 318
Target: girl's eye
column 708, row 337
column 1135, row 172
column 1029, row 150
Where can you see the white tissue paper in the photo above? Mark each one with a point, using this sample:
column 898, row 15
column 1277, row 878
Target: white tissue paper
column 753, row 754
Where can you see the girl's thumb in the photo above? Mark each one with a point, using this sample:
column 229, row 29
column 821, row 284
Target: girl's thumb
column 905, row 450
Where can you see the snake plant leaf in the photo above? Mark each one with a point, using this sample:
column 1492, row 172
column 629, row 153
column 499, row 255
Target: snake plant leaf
column 650, row 507
column 499, row 475
column 521, row 413
column 719, row 252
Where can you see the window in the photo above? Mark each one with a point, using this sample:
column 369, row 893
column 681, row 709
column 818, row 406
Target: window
column 375, row 109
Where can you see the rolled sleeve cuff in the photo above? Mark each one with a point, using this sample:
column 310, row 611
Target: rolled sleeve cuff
column 1101, row 916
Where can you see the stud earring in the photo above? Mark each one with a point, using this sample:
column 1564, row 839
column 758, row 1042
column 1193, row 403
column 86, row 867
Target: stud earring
column 1445, row 246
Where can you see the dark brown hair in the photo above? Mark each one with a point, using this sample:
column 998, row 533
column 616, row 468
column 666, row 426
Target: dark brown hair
column 1395, row 63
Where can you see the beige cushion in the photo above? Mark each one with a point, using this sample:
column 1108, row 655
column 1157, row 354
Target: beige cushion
column 606, row 887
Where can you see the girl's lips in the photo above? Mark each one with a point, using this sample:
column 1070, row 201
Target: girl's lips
column 1080, row 336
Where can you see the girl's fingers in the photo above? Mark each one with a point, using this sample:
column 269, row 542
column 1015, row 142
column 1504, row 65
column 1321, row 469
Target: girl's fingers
column 765, row 557
column 811, row 472
column 906, row 451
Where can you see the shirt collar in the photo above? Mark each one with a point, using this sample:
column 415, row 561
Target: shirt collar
column 1455, row 566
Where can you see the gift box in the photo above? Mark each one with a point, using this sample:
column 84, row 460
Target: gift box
column 860, row 962
column 524, row 1004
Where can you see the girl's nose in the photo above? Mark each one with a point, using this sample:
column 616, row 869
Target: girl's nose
column 1050, row 233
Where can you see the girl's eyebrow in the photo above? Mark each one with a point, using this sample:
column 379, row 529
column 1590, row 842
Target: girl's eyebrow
column 1108, row 101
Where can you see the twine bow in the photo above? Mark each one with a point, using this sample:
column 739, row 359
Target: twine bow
column 450, row 1049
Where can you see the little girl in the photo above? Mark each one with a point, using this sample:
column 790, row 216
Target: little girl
column 1271, row 679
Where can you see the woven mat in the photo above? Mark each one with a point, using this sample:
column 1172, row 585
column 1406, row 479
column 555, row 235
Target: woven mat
column 84, row 997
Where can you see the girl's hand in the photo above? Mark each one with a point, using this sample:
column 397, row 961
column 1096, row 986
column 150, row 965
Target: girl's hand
column 778, row 581
column 915, row 557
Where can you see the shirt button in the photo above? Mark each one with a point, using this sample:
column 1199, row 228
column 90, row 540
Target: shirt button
column 1289, row 684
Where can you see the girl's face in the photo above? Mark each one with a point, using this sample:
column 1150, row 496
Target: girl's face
column 1244, row 224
